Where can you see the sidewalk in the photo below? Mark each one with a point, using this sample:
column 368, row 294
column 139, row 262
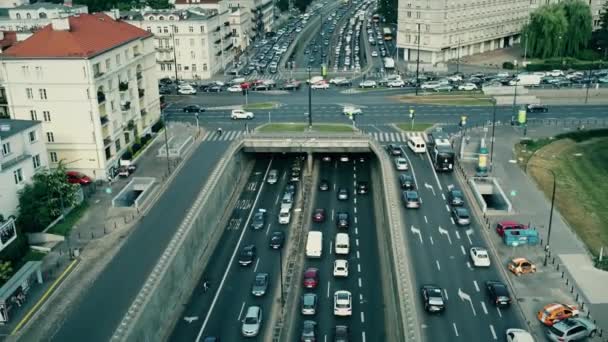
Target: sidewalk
column 96, row 236
column 569, row 276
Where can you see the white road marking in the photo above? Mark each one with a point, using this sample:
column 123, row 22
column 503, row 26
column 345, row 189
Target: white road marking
column 332, row 214
column 356, row 231
column 469, row 265
column 362, row 317
column 359, row 281
column 416, row 231
column 355, row 210
column 411, row 168
column 476, row 285
column 457, row 234
column 355, row 200
column 359, row 268
column 355, row 219
column 493, row 332
column 431, row 238
column 452, row 219
column 358, row 255
column 445, row 293
column 469, row 233
column 277, row 200
column 360, row 297
column 425, row 219
column 268, row 229
column 428, row 157
column 330, row 245
column 363, row 336
column 499, row 313
column 455, row 329
column 328, row 287
column 257, row 262
column 443, row 196
column 466, row 297
column 241, row 312
column 354, row 183
column 357, row 242
column 483, row 306
column 446, row 233
column 437, row 263
column 462, row 249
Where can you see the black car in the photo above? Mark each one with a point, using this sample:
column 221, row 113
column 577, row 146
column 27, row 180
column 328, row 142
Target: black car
column 432, row 296
column 344, row 83
column 309, row 331
column 342, row 220
column 290, row 188
column 276, row 240
column 498, row 293
column 341, row 333
column 259, row 219
column 193, row 109
column 247, row 255
column 407, row 182
column 214, row 89
column 323, row 185
column 204, row 87
column 537, row 108
column 455, row 197
column 394, row 150
column 362, row 187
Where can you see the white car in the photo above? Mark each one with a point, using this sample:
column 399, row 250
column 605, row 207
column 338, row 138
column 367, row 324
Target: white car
column 518, row 335
column 284, row 216
column 374, row 53
column 343, row 305
column 467, row 87
column 350, row 110
column 480, row 257
column 340, row 268
column 401, row 164
column 430, row 85
column 241, row 114
column 396, row 84
column 235, row 89
column 556, row 73
column 186, row 90
column 337, row 80
column 368, row 84
column 320, row 85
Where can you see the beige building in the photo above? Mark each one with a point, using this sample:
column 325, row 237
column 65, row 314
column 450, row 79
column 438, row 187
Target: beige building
column 456, row 28
column 92, row 82
column 37, row 15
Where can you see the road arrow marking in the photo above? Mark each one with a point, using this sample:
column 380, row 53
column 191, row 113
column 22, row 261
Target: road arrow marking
column 465, row 297
column 190, row 319
column 446, row 233
column 429, row 186
column 469, row 233
column 417, row 231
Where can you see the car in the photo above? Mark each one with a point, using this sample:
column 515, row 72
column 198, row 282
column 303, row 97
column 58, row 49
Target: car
column 260, row 284
column 216, row 88
column 294, row 85
column 343, row 305
column 443, row 87
column 340, row 268
column 394, row 150
column 309, row 304
column 479, row 257
column 241, row 114
column 284, row 216
column 247, row 255
column 519, row 266
column 432, row 296
column 396, row 84
column 374, row 53
column 368, row 84
column 211, row 339
column 507, row 225
column 193, row 109
column 273, row 176
column 290, row 188
column 259, row 219
column 320, row 85
column 344, row 158
column 186, row 90
column 518, row 335
column 411, row 199
column 337, row 80
column 277, row 238
column 455, row 197
column 571, row 329
column 252, row 321
column 342, row 220
column 467, row 86
column 553, row 312
column 430, row 85
column 323, row 185
column 362, row 187
column 351, row 110
column 461, row 216
column 498, row 293
column 75, row 177
column 235, row 89
column 342, row 194
column 311, row 278
column 341, row 333
column 401, row 164
column 125, row 171
column 295, row 175
column 318, row 215
column 407, row 181
column 309, row 331
column 537, row 108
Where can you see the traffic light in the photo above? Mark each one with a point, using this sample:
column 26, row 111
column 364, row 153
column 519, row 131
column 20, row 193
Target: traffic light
column 463, row 121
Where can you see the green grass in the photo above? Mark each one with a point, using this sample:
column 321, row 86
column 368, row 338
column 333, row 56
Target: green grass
column 64, row 228
column 259, row 105
column 418, row 127
column 448, row 100
column 300, row 127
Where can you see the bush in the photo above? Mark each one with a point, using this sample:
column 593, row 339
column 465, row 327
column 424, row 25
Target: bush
column 589, row 55
column 148, row 136
column 508, row 65
column 16, row 250
column 127, row 155
column 567, row 64
column 158, row 126
column 136, row 147
column 579, row 136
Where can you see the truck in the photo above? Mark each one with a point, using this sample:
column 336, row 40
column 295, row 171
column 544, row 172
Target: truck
column 389, row 63
column 442, row 154
column 314, row 244
column 526, row 80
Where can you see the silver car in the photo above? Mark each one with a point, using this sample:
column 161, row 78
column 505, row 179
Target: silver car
column 273, row 176
column 260, row 284
column 252, row 321
column 309, row 304
column 571, row 329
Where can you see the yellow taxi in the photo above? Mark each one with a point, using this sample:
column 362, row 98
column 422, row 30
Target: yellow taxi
column 521, row 266
column 554, row 312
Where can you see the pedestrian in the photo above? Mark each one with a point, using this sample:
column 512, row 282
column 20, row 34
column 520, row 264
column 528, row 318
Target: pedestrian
column 219, row 131
column 205, row 285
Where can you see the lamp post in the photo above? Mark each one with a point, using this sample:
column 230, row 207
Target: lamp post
column 547, row 248
column 515, row 89
column 412, row 117
column 493, row 129
column 174, row 28
column 525, row 49
column 281, row 277
column 418, row 62
column 166, row 141
column 309, row 99
column 198, row 127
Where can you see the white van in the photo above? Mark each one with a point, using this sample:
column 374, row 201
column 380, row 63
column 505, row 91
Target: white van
column 287, row 201
column 416, row 144
column 342, row 243
column 314, row 244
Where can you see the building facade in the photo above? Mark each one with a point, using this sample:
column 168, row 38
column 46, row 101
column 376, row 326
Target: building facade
column 34, row 16
column 456, row 28
column 23, row 153
column 95, row 89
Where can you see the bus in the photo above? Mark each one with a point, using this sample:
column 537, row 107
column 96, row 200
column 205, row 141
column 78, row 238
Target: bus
column 387, row 33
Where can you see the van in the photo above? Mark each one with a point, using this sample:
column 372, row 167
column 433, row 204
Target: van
column 287, row 201
column 416, row 144
column 314, row 244
column 342, row 243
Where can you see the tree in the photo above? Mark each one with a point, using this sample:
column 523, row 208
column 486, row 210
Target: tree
column 6, row 271
column 543, row 35
column 302, row 5
column 580, row 26
column 41, row 201
column 600, row 37
column 283, row 5
column 159, row 4
column 388, row 10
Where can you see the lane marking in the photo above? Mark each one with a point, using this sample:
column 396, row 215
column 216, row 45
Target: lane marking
column 257, row 262
column 447, row 207
column 425, row 219
column 462, row 249
column 268, row 229
column 483, row 306
column 443, row 196
column 493, row 332
column 457, row 234
column 355, row 210
column 452, row 219
column 356, row 231
column 328, row 287
column 455, row 329
column 476, row 285
column 428, row 157
column 359, row 268
column 469, row 265
column 241, row 312
column 499, row 313
column 331, row 243
column 437, row 263
column 363, row 336
column 431, row 238
column 332, row 214
column 357, row 242
column 355, row 200
column 355, row 219
column 358, row 255
column 445, row 292
column 362, row 317
column 359, row 282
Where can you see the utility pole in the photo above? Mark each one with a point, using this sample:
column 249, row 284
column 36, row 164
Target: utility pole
column 418, row 62
column 174, row 53
column 493, row 129
column 515, row 88
column 166, row 141
column 547, row 248
column 309, row 100
column 587, row 85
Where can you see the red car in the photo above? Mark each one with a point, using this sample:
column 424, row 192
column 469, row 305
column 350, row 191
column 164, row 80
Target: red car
column 245, row 85
column 318, row 215
column 76, row 177
column 311, row 278
column 506, row 225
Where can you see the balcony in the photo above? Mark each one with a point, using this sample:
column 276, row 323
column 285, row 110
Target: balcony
column 98, row 74
column 101, row 97
column 141, row 92
column 123, row 86
column 164, row 48
column 217, row 29
column 228, row 35
column 125, row 106
column 139, row 75
column 107, row 141
column 226, row 23
column 217, row 41
column 104, row 120
column 228, row 47
column 165, row 60
column 143, row 112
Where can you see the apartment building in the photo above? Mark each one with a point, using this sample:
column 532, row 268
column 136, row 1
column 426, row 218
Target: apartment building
column 192, row 43
column 23, row 153
column 28, row 17
column 92, row 82
column 12, row 3
column 457, row 28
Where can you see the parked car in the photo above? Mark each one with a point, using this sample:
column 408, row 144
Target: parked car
column 368, row 84
column 320, row 85
column 396, row 84
column 537, row 108
column 235, row 89
column 186, row 90
column 554, row 312
column 498, row 293
column 571, row 329
column 502, row 226
column 521, row 266
column 443, row 87
column 467, row 87
column 75, row 177
column 518, row 335
column 432, row 296
column 126, row 170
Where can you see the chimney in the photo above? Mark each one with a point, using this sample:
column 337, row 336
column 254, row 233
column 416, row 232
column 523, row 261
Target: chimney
column 60, row 24
column 67, row 3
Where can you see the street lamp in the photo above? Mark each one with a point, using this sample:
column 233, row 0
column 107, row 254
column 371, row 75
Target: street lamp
column 493, row 129
column 166, row 141
column 281, row 277
column 418, row 62
column 309, row 99
column 198, row 127
column 515, row 89
column 547, row 249
column 412, row 116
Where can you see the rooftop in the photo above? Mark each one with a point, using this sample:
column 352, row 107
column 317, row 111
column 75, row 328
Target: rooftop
column 47, row 5
column 8, row 38
column 193, row 13
column 10, row 127
column 88, row 35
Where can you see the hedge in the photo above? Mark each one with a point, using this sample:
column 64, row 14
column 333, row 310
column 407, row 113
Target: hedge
column 158, row 126
column 567, row 63
column 508, row 65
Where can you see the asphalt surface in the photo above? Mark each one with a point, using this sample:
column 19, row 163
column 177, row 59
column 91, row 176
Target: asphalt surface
column 367, row 320
column 96, row 316
column 439, row 251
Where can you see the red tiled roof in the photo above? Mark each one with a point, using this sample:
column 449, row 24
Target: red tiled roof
column 10, row 37
column 89, row 35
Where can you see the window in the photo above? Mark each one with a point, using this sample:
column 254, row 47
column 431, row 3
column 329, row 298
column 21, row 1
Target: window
column 176, row 42
column 191, row 29
column 117, row 142
column 6, row 148
column 186, row 67
column 409, row 14
column 38, row 72
column 18, row 176
column 33, row 137
column 47, row 115
column 202, row 29
column 191, row 41
column 30, row 93
column 28, row 16
column 126, row 55
column 53, row 157
column 50, row 137
column 193, row 67
column 203, row 41
column 112, row 106
column 148, row 28
column 159, row 29
column 175, row 30
column 108, row 65
column 169, row 67
column 165, row 29
column 18, row 16
column 192, row 54
column 36, row 161
column 179, row 67
column 33, row 115
column 117, row 59
column 42, row 93
column 127, row 138
column 162, row 67
column 205, row 67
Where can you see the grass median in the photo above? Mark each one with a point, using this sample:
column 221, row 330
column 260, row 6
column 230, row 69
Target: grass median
column 260, row 105
column 417, row 127
column 301, row 127
column 448, row 100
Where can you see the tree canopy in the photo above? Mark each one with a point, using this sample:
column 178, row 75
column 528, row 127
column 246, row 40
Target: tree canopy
column 388, row 10
column 302, row 4
column 283, row 5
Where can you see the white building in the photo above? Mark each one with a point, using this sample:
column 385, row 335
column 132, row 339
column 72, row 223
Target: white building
column 34, row 16
column 449, row 29
column 192, row 43
column 92, row 82
column 22, row 154
column 13, row 3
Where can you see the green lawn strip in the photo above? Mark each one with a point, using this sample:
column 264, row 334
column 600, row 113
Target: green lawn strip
column 259, row 105
column 447, row 100
column 300, row 127
column 64, row 227
column 418, row 127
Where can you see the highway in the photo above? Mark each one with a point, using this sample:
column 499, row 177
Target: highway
column 440, row 255
column 363, row 281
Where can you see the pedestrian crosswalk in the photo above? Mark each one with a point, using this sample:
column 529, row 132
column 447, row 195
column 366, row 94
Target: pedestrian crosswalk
column 226, row 136
column 380, row 136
